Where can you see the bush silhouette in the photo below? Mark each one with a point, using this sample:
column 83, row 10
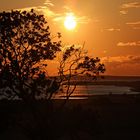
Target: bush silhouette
column 75, row 62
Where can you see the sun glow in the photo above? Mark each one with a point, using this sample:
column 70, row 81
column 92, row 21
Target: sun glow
column 70, row 22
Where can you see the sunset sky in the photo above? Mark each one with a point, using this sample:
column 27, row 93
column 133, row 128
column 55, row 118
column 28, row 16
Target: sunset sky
column 109, row 28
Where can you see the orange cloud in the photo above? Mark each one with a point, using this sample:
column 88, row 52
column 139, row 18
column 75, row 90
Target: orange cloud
column 124, row 7
column 68, row 10
column 80, row 19
column 127, row 44
column 130, row 5
column 112, row 29
column 122, row 65
column 48, row 3
column 41, row 9
column 46, row 10
column 130, row 59
column 123, row 12
column 134, row 25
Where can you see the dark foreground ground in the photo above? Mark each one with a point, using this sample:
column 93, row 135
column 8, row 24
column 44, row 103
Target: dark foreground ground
column 110, row 117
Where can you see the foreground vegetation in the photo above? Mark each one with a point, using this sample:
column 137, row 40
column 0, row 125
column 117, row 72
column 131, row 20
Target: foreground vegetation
column 102, row 117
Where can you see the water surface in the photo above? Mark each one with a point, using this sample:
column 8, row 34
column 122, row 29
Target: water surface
column 83, row 91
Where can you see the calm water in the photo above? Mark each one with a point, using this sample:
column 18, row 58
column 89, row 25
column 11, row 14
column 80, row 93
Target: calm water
column 90, row 90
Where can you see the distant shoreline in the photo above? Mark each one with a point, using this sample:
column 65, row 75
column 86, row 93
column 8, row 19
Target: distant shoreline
column 134, row 85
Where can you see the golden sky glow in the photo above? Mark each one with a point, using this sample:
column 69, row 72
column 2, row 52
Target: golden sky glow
column 109, row 28
column 70, row 21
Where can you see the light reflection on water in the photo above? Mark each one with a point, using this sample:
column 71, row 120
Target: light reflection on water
column 85, row 91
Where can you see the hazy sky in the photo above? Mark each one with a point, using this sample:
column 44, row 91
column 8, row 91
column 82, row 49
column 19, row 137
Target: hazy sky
column 109, row 28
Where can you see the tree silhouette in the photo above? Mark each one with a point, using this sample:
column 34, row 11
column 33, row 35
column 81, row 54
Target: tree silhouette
column 25, row 46
column 75, row 62
column 25, row 42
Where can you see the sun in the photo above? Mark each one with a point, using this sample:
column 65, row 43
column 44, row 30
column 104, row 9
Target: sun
column 70, row 22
